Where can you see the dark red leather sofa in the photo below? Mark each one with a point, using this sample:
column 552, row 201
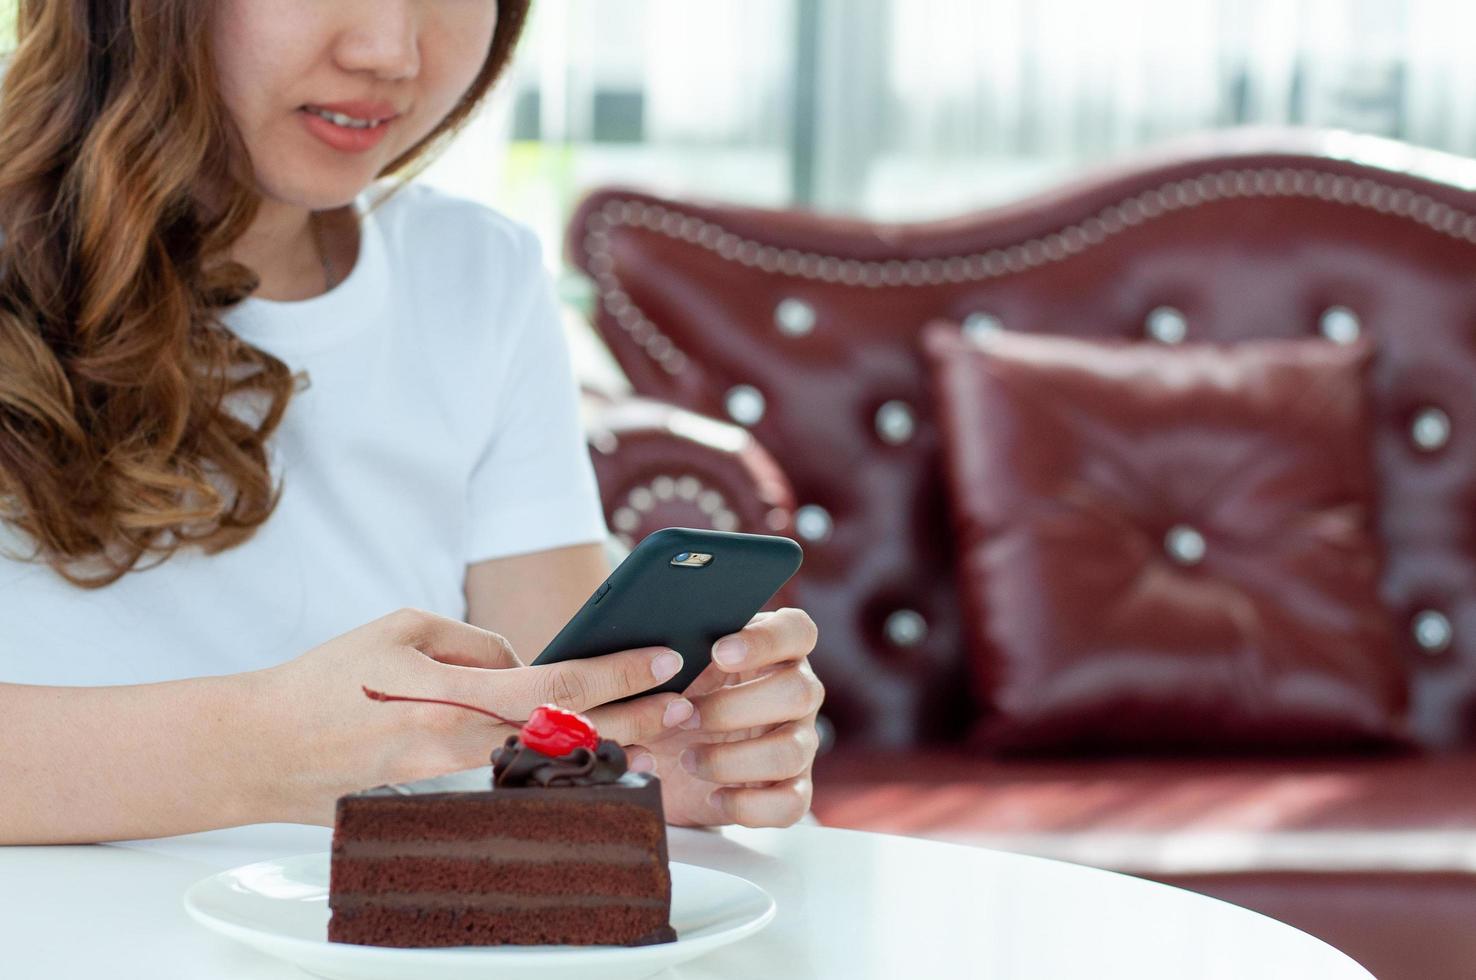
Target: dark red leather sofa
column 781, row 392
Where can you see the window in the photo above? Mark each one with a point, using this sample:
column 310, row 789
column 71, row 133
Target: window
column 900, row 109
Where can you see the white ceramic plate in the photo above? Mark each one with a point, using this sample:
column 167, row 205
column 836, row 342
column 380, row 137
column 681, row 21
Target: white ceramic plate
column 281, row 908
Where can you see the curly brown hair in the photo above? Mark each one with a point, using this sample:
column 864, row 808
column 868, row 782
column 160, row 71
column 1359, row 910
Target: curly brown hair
column 116, row 442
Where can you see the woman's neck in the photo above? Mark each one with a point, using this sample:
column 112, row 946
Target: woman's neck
column 283, row 248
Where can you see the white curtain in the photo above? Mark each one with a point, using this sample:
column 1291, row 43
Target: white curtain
column 990, row 96
column 927, row 106
column 717, row 72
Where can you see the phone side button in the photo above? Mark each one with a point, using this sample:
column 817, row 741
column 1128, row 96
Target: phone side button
column 600, row 593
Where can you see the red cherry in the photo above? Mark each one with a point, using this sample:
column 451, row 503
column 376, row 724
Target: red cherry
column 558, row 731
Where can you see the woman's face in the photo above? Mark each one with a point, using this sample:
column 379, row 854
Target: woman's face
column 327, row 92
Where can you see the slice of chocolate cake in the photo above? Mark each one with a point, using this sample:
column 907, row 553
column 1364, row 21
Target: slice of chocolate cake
column 536, row 849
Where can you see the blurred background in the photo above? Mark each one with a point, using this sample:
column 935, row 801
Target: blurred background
column 895, row 109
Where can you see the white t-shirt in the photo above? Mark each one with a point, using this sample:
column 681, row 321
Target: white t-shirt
column 440, row 428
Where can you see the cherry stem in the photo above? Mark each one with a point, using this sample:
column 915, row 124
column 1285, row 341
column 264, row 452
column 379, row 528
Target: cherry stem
column 381, row 696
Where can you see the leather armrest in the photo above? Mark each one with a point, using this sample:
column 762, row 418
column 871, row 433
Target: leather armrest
column 663, row 466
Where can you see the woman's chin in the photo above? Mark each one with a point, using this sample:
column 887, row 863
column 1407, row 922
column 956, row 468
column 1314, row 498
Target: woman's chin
column 318, row 196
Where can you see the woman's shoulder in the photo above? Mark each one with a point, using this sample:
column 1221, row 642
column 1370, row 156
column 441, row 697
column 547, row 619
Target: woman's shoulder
column 426, row 220
column 472, row 270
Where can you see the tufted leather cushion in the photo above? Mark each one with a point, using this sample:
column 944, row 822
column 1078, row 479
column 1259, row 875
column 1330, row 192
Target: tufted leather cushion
column 1231, row 813
column 1236, row 237
column 1166, row 547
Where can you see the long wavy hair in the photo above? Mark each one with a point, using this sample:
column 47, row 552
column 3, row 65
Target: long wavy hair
column 120, row 438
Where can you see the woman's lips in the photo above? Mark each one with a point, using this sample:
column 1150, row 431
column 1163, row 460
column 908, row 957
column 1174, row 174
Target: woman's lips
column 355, row 137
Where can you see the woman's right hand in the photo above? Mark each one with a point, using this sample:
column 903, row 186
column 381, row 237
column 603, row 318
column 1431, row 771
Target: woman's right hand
column 330, row 739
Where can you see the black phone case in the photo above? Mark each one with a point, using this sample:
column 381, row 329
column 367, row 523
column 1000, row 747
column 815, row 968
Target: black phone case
column 647, row 601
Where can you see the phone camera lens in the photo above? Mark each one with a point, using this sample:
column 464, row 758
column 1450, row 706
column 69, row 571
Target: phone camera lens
column 683, row 556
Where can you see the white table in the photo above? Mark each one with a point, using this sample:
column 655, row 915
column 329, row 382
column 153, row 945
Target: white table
column 851, row 905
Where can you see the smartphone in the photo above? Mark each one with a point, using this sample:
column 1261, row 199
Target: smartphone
column 682, row 588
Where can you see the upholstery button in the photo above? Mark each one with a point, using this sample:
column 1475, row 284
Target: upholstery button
column 710, row 501
column 978, row 325
column 906, row 628
column 626, row 519
column 1340, row 325
column 794, row 317
column 1167, row 325
column 1184, row 545
column 1430, row 430
column 1432, row 631
column 894, row 423
column 641, row 499
column 812, row 522
column 825, row 732
column 745, row 404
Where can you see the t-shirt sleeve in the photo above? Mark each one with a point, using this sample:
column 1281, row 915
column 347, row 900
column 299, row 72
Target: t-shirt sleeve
column 533, row 487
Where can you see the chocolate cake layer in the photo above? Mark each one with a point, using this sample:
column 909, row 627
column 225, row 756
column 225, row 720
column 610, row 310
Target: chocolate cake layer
column 436, row 864
column 624, row 925
column 381, row 875
column 499, row 849
column 590, row 815
column 493, row 900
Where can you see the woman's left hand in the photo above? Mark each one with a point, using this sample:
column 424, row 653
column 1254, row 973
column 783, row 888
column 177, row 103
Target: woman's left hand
column 745, row 755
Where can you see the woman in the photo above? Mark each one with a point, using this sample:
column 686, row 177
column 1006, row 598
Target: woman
column 249, row 406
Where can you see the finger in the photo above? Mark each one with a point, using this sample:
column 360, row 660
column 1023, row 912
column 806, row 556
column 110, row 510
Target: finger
column 583, row 684
column 641, row 759
column 641, row 720
column 787, row 635
column 781, row 754
column 451, row 641
column 783, row 695
column 769, row 806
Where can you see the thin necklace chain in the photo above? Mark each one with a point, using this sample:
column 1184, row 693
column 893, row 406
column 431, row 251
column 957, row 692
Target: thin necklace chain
column 315, row 223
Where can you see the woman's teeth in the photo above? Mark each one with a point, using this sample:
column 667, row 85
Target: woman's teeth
column 339, row 119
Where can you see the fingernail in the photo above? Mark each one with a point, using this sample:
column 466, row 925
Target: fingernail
column 689, row 761
column 693, row 722
column 666, row 665
column 645, row 762
column 715, row 798
column 677, row 712
column 729, row 651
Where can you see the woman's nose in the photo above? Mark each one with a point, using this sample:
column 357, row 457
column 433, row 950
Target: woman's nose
column 382, row 37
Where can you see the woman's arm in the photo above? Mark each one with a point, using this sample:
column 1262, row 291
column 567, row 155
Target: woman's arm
column 85, row 764
column 528, row 598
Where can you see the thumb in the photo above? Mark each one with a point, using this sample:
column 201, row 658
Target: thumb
column 450, row 641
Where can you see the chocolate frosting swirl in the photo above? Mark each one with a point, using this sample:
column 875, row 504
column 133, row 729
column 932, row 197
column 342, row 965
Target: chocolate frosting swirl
column 516, row 765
